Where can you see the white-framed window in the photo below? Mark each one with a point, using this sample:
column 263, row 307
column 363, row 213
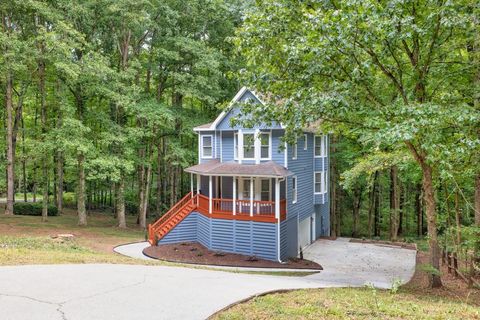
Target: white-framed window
column 235, row 145
column 294, row 189
column 207, row 146
column 320, row 146
column 305, row 142
column 249, row 146
column 320, row 182
column 265, row 141
column 265, row 194
column 294, row 151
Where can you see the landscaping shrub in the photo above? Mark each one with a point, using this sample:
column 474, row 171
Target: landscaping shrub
column 32, row 209
column 69, row 199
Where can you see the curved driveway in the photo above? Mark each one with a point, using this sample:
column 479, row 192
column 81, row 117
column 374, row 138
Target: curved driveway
column 160, row 292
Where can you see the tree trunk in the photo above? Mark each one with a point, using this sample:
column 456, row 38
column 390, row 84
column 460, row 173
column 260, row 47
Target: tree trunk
column 418, row 210
column 458, row 219
column 120, row 203
column 43, row 117
column 394, row 203
column 60, row 182
column 431, row 212
column 477, row 200
column 376, row 209
column 82, row 213
column 371, row 207
column 357, row 203
column 159, row 179
column 9, row 143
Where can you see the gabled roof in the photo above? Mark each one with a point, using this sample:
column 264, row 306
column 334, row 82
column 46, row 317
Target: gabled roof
column 214, row 167
column 213, row 125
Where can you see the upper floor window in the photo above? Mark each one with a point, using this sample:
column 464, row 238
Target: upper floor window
column 320, row 146
column 294, row 189
column 207, row 146
column 264, row 145
column 294, row 151
column 249, row 146
column 320, row 182
column 305, row 142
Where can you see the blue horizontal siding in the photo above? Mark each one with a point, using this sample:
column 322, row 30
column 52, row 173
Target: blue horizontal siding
column 288, row 238
column 185, row 231
column 244, row 237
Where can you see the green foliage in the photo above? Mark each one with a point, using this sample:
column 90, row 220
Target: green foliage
column 33, row 209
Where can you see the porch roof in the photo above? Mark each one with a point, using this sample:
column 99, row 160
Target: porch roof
column 232, row 168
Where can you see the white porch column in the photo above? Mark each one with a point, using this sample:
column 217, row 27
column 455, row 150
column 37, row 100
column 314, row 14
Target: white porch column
column 277, row 198
column 198, row 183
column 191, row 185
column 251, row 196
column 210, row 191
column 234, row 195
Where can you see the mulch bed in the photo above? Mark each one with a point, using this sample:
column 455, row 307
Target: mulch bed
column 404, row 245
column 195, row 253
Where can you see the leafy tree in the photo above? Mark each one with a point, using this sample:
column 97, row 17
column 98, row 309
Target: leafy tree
column 395, row 71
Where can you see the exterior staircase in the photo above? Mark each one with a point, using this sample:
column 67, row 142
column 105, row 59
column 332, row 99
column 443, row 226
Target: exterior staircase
column 172, row 218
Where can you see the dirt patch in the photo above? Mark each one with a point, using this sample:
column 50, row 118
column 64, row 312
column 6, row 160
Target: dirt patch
column 453, row 288
column 195, row 253
column 403, row 245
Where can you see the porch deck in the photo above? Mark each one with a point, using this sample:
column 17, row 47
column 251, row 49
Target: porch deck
column 247, row 210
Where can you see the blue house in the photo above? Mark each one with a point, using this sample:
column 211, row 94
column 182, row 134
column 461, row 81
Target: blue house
column 251, row 193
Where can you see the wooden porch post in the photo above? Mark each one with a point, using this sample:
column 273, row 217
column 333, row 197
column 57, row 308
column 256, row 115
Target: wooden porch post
column 277, row 198
column 251, row 196
column 210, row 194
column 234, row 195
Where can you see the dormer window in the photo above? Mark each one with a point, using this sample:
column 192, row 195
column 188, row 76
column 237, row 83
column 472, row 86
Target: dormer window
column 249, row 146
column 207, row 146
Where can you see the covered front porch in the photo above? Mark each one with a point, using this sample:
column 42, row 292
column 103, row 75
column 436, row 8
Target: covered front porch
column 240, row 191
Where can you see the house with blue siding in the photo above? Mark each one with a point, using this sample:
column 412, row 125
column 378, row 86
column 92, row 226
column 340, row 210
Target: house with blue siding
column 251, row 192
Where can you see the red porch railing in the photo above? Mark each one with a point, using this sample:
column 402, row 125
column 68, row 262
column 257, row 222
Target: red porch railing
column 242, row 207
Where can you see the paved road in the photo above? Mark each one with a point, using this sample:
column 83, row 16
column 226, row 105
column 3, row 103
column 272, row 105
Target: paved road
column 156, row 292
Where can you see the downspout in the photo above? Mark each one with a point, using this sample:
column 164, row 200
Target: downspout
column 278, row 229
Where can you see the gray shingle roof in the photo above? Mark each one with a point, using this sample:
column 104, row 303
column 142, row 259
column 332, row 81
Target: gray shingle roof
column 231, row 168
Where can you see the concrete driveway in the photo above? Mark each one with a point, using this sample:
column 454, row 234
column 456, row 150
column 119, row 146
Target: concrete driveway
column 143, row 292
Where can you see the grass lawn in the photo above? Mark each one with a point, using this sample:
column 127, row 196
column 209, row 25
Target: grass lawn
column 349, row 303
column 28, row 240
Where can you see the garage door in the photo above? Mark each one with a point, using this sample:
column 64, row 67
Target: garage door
column 304, row 232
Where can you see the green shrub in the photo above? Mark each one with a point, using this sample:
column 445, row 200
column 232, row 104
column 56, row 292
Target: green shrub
column 32, row 209
column 69, row 199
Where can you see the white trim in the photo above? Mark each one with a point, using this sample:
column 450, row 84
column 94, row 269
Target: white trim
column 215, row 145
column 295, row 151
column 251, row 196
column 198, row 183
column 199, row 149
column 201, row 145
column 240, row 146
column 294, row 194
column 221, row 146
column 305, row 141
